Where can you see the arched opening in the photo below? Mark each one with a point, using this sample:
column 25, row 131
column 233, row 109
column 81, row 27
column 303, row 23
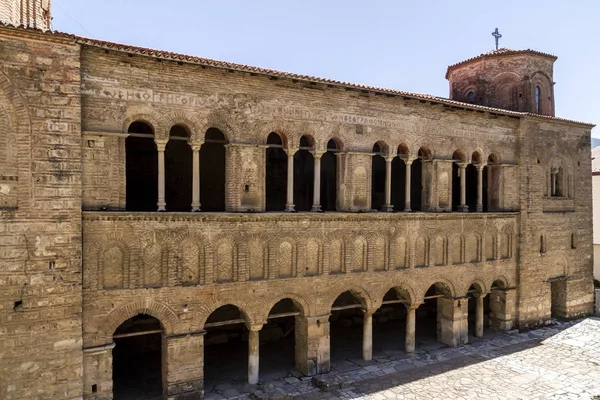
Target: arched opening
column 137, row 359
column 225, row 349
column 141, row 168
column 428, row 319
column 416, row 180
column 471, row 182
column 304, row 175
column 399, row 178
column 378, row 177
column 346, row 330
column 538, row 100
column 178, row 170
column 479, row 311
column 459, row 158
column 278, row 341
column 389, row 324
column 212, row 171
column 329, row 171
column 276, row 174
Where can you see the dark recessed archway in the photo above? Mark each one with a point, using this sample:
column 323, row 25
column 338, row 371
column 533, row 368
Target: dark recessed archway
column 141, row 168
column 212, row 171
column 178, row 170
column 137, row 359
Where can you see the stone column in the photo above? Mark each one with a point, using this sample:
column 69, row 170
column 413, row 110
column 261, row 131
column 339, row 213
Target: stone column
column 289, row 206
column 183, row 366
column 196, row 176
column 253, row 351
column 408, row 163
column 453, row 322
column 479, row 315
column 367, row 349
column 388, row 206
column 97, row 372
column 161, row 145
column 480, row 187
column 317, row 182
column 410, row 328
column 312, row 344
column 462, row 168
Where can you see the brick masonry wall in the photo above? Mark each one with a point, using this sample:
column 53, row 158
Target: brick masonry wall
column 40, row 232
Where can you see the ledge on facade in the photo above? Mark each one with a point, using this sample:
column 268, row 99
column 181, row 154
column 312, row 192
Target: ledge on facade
column 282, row 216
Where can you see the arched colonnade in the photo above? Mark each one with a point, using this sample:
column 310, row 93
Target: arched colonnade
column 184, row 173
column 286, row 333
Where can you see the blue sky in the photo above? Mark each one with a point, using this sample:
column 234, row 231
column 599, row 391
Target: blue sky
column 397, row 44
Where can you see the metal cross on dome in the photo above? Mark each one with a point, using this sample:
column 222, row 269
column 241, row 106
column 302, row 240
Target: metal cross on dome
column 496, row 35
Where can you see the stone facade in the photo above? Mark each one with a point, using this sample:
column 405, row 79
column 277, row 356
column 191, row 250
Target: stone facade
column 501, row 201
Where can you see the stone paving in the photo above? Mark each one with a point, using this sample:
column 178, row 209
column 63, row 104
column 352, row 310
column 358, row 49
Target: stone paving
column 561, row 361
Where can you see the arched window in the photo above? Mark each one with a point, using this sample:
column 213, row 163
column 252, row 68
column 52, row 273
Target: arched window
column 329, row 177
column 304, row 172
column 557, row 182
column 377, row 178
column 399, row 178
column 141, row 168
column 178, row 170
column 212, row 171
column 275, row 174
column 538, row 100
column 471, row 96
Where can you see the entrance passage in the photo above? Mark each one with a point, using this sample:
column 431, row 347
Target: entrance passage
column 225, row 349
column 389, row 326
column 278, row 342
column 428, row 326
column 346, row 331
column 137, row 369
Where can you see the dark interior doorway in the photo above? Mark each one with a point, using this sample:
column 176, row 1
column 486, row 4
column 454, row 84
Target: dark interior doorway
column 225, row 349
column 178, row 170
column 398, row 184
column 212, row 171
column 377, row 178
column 275, row 174
column 137, row 359
column 141, row 169
column 329, row 177
column 304, row 173
column 346, row 330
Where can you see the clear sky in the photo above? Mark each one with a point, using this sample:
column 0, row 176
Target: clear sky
column 397, row 44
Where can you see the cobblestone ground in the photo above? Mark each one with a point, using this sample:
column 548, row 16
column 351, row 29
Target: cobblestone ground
column 561, row 361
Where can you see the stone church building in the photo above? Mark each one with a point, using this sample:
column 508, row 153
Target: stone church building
column 164, row 215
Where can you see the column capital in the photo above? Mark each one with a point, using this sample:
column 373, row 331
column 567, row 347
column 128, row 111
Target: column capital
column 389, row 158
column 291, row 151
column 462, row 165
column 318, row 153
column 480, row 166
column 409, row 160
column 255, row 327
column 195, row 145
column 161, row 144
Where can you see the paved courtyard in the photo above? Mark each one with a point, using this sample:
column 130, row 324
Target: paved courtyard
column 561, row 361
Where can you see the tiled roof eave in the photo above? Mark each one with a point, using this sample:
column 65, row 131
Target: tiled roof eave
column 166, row 55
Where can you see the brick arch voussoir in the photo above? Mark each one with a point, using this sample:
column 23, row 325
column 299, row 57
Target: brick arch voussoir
column 422, row 289
column 182, row 118
column 481, row 286
column 146, row 115
column 219, row 121
column 305, row 305
column 218, row 301
column 362, row 294
column 398, row 284
column 167, row 317
column 502, row 278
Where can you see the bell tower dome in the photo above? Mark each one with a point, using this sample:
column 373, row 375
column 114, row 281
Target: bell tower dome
column 27, row 13
column 516, row 80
